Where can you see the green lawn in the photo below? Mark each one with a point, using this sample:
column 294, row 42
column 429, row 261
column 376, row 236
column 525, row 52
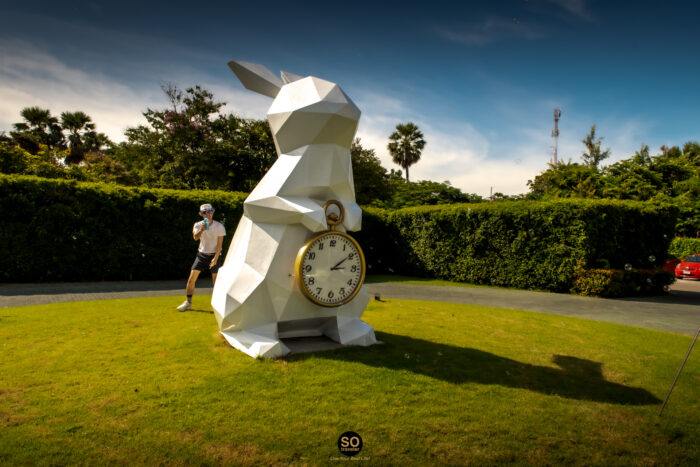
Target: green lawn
column 136, row 382
column 374, row 278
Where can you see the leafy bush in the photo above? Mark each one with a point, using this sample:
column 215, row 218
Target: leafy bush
column 64, row 230
column 423, row 193
column 523, row 244
column 681, row 248
column 620, row 282
column 14, row 159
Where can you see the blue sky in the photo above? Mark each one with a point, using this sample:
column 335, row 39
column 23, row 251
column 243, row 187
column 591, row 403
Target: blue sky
column 480, row 79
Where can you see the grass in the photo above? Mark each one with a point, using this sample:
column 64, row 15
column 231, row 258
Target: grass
column 374, row 278
column 135, row 382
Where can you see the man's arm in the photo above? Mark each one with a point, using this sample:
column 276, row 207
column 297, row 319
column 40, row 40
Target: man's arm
column 219, row 245
column 198, row 233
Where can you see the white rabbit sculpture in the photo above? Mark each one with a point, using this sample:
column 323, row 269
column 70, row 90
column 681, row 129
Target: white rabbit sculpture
column 256, row 298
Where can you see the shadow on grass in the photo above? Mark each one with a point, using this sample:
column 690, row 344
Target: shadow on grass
column 574, row 379
column 197, row 310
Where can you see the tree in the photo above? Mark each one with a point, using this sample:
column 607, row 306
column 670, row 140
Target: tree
column 173, row 151
column 15, row 159
column 565, row 180
column 82, row 137
column 190, row 145
column 642, row 157
column 691, row 152
column 371, row 179
column 39, row 127
column 103, row 168
column 246, row 150
column 631, row 179
column 406, row 145
column 594, row 155
column 407, row 194
column 672, row 152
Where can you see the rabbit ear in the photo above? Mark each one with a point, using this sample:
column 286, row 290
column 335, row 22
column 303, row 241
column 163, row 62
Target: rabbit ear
column 256, row 78
column 288, row 77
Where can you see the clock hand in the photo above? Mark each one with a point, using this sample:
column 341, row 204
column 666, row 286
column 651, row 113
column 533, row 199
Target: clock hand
column 338, row 264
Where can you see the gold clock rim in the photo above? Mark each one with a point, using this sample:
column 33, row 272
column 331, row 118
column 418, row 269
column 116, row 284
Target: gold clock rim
column 298, row 272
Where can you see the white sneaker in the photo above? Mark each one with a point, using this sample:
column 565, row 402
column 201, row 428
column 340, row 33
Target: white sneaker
column 185, row 306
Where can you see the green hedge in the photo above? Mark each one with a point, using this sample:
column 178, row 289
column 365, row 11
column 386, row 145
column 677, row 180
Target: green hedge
column 681, row 247
column 527, row 245
column 62, row 230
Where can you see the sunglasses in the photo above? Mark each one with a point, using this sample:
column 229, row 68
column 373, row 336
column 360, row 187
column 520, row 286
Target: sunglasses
column 206, row 212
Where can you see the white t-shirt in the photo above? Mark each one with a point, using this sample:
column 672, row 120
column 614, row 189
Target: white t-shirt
column 209, row 238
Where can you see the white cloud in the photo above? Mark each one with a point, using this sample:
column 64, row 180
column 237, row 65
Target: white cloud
column 456, row 152
column 31, row 77
column 243, row 103
column 506, row 157
column 624, row 137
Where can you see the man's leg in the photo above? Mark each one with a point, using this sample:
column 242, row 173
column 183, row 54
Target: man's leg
column 187, row 304
column 215, row 270
column 194, row 274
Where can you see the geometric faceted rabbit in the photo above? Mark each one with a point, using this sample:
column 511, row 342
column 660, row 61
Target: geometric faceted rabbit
column 256, row 298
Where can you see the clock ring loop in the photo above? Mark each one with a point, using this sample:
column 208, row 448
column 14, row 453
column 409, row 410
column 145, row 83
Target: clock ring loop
column 332, row 218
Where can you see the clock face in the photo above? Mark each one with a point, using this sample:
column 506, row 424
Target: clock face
column 330, row 269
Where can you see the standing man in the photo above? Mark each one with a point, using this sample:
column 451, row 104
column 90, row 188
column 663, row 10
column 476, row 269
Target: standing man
column 210, row 234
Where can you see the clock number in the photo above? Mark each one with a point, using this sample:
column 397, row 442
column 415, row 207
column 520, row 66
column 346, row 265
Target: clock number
column 318, row 290
column 351, row 256
column 344, row 245
column 311, row 281
column 330, row 294
column 320, row 246
column 332, row 243
column 307, row 268
column 312, row 256
column 353, row 268
column 342, row 291
column 350, row 282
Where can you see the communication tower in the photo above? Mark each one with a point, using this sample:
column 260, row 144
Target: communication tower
column 555, row 133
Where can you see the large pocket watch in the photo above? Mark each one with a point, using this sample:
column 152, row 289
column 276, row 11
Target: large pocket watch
column 330, row 267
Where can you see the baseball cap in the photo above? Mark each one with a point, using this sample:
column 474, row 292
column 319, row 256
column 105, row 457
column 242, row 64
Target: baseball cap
column 206, row 207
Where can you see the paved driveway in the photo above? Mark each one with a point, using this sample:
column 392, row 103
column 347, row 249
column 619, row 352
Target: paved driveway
column 677, row 312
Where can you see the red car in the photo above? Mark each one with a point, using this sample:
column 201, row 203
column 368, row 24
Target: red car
column 689, row 268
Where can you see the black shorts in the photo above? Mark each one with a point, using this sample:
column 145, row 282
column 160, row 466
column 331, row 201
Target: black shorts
column 202, row 262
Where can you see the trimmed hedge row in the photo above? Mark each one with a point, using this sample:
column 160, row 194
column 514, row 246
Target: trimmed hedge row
column 62, row 230
column 527, row 245
column 681, row 247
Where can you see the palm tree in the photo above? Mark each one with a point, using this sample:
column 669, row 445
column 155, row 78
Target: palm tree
column 406, row 145
column 37, row 118
column 75, row 122
column 41, row 127
column 594, row 154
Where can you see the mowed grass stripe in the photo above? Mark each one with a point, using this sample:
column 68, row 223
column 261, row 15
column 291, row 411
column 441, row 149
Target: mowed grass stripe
column 134, row 381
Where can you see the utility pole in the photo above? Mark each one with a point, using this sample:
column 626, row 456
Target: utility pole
column 555, row 133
